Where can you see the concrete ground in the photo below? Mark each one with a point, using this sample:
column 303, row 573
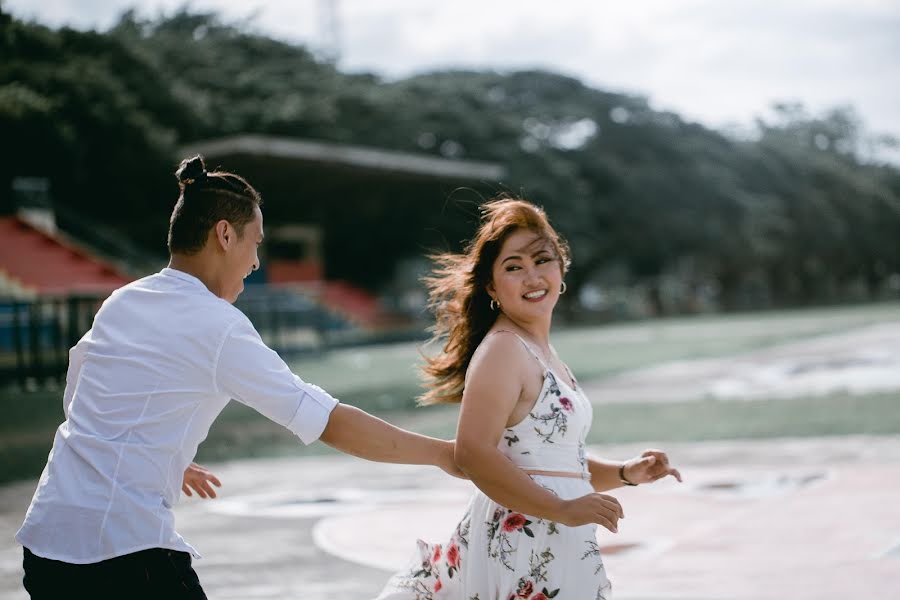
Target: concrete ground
column 798, row 519
column 859, row 361
column 815, row 518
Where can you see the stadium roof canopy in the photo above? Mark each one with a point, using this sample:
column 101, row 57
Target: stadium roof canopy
column 342, row 157
column 373, row 207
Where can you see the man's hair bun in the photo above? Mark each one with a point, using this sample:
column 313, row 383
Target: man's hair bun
column 190, row 170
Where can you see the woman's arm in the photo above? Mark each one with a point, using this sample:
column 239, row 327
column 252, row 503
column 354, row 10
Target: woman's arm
column 650, row 466
column 495, row 381
column 358, row 433
column 604, row 474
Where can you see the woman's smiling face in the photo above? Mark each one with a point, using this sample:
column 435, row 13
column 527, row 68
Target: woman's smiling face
column 527, row 276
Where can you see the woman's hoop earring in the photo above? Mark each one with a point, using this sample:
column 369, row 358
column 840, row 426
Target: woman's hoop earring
column 494, row 304
column 563, row 288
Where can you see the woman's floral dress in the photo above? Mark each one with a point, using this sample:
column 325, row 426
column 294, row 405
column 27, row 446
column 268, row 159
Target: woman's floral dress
column 499, row 554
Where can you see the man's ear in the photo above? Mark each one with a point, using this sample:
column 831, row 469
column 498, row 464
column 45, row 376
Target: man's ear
column 224, row 233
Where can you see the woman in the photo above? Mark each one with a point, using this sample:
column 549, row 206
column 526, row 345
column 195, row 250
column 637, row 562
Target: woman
column 530, row 529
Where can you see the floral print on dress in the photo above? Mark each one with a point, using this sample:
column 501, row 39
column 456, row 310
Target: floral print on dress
column 582, row 458
column 502, row 532
column 594, row 551
column 553, row 421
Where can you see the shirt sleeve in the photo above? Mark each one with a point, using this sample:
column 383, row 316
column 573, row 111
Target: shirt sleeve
column 253, row 374
column 73, row 372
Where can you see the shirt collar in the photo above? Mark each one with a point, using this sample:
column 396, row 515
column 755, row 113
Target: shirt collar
column 170, row 272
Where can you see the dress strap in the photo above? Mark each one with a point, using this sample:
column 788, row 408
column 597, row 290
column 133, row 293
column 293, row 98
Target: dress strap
column 528, row 347
column 568, row 370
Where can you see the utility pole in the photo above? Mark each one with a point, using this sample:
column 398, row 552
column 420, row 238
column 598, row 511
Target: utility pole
column 329, row 30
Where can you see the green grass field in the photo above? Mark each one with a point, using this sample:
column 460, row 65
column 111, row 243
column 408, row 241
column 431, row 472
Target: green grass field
column 386, row 377
column 384, row 380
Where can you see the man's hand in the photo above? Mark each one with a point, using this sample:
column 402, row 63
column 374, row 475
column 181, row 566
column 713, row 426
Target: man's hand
column 650, row 466
column 448, row 463
column 199, row 478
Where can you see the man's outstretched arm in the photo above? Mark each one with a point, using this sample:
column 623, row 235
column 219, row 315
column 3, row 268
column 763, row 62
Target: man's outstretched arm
column 358, row 433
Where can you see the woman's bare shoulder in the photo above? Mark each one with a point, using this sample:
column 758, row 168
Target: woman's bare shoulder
column 500, row 348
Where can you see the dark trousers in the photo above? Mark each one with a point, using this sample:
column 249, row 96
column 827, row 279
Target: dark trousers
column 149, row 574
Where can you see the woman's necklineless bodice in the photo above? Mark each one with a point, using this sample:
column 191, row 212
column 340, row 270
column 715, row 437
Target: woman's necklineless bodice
column 552, row 435
column 545, row 360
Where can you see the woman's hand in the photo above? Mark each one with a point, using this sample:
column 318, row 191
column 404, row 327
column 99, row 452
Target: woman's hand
column 592, row 508
column 199, row 478
column 649, row 466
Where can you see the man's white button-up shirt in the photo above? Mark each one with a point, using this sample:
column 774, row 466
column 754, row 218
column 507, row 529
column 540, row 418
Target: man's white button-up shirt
column 163, row 358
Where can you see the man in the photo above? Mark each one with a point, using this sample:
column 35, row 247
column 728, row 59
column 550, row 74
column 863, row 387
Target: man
column 164, row 356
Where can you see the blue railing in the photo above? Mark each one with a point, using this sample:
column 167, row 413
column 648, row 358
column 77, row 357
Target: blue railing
column 35, row 337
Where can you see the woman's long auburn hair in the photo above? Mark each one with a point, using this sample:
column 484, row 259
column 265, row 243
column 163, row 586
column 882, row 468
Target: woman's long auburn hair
column 458, row 295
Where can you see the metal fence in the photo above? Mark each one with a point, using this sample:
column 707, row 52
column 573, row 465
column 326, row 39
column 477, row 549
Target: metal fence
column 35, row 337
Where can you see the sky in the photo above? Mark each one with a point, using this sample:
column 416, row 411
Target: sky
column 721, row 63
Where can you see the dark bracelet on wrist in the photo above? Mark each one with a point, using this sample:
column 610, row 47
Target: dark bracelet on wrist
column 622, row 476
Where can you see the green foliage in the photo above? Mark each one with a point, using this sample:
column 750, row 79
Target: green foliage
column 86, row 112
column 792, row 211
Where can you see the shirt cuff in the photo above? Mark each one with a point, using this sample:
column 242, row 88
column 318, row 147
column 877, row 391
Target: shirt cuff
column 312, row 415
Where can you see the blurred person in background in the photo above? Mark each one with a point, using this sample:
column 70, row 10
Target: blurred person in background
column 165, row 354
column 530, row 530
